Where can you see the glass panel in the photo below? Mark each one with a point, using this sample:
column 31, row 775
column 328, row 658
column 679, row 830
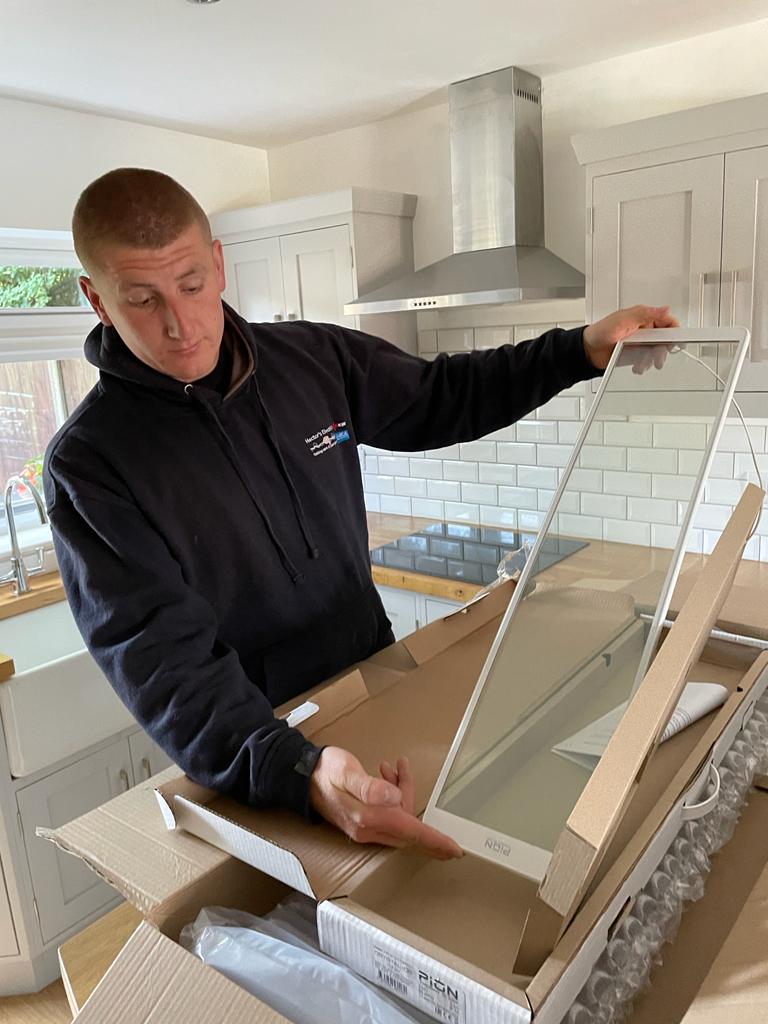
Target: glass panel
column 37, row 287
column 78, row 377
column 577, row 640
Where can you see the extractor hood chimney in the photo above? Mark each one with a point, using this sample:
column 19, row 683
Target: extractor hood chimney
column 498, row 207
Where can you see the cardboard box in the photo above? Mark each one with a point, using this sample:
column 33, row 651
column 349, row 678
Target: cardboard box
column 391, row 914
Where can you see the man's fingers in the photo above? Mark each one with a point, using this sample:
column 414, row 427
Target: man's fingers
column 397, row 823
column 406, row 783
column 376, row 792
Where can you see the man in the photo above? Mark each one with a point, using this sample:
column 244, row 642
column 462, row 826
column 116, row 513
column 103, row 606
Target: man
column 213, row 546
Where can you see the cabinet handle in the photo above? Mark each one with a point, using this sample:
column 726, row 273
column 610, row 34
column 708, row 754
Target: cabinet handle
column 147, row 767
column 125, row 780
column 277, row 318
column 701, row 299
column 734, row 282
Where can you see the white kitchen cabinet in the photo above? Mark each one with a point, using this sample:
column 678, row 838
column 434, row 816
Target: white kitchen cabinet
column 408, row 610
column 66, row 891
column 147, row 758
column 254, row 277
column 401, row 609
column 745, row 257
column 656, row 240
column 677, row 215
column 9, row 943
column 303, row 259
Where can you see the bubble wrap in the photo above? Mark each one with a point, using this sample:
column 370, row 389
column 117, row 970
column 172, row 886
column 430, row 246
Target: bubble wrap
column 623, row 970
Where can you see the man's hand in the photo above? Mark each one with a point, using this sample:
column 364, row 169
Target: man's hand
column 601, row 337
column 371, row 810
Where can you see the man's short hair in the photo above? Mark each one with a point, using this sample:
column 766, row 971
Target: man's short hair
column 135, row 207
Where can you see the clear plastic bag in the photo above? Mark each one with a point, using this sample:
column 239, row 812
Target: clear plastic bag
column 277, row 959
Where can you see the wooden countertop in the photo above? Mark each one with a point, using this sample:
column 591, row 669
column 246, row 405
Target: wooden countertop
column 46, row 588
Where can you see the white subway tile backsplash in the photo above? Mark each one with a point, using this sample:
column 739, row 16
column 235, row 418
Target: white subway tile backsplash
column 711, row 537
column 723, row 492
column 537, row 476
column 457, row 339
column 461, row 512
column 613, row 505
column 428, row 469
column 537, row 430
column 734, row 439
column 371, row 502
column 426, row 507
column 679, row 488
column 560, row 409
column 530, row 520
column 679, row 435
column 652, row 510
column 444, row 490
column 379, row 484
column 712, row 517
column 371, row 464
column 553, row 454
column 483, row 494
column 581, row 526
column 497, row 515
column 492, row 337
column 410, row 487
column 427, row 341
column 639, row 435
column 460, row 471
column 585, row 479
column 668, row 536
column 690, row 462
column 451, row 452
column 478, row 451
column 632, row 484
column 518, row 497
column 524, row 332
column 398, row 506
column 390, row 466
column 569, row 430
column 497, row 473
column 505, row 434
column 722, row 465
column 652, row 460
column 600, row 457
column 568, row 502
column 620, row 531
column 516, row 453
column 744, row 468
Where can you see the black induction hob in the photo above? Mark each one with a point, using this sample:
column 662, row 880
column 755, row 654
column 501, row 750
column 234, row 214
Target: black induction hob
column 468, row 553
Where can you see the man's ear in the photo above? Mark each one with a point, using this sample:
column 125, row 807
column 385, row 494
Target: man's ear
column 95, row 300
column 218, row 262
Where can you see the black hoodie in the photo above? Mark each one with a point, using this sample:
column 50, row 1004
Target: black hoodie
column 214, row 549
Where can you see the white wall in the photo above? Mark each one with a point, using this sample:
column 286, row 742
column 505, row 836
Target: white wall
column 49, row 155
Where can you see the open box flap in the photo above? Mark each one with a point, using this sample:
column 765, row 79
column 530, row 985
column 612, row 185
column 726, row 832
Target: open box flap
column 431, row 640
column 153, row 979
column 113, row 841
column 411, row 716
column 599, row 810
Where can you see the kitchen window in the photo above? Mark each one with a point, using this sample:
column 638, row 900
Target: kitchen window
column 44, row 319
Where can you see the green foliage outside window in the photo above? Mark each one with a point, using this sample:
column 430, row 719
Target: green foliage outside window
column 35, row 287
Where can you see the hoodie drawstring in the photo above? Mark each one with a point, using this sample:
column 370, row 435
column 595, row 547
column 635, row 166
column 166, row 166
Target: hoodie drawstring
column 296, row 575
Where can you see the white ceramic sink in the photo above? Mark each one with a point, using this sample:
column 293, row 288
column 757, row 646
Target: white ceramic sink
column 58, row 702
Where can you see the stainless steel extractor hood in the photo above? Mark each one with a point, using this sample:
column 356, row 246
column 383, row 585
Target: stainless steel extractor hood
column 498, row 207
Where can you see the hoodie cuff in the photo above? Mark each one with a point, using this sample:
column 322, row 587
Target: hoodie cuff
column 575, row 361
column 287, row 773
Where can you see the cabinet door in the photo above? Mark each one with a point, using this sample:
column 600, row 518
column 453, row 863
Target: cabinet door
column 656, row 240
column 437, row 608
column 745, row 258
column 9, row 945
column 147, row 758
column 254, row 277
column 66, row 891
column 317, row 274
column 400, row 606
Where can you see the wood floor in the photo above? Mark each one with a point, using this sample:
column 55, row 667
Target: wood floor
column 47, row 1007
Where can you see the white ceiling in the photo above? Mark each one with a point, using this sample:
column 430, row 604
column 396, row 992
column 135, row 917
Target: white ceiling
column 266, row 72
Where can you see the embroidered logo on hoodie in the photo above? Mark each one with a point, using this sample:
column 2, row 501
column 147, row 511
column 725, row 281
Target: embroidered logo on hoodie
column 327, row 438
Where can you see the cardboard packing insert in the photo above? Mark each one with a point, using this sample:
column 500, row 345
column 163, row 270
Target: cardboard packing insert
column 512, row 943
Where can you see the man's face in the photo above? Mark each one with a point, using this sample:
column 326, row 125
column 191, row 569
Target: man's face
column 164, row 303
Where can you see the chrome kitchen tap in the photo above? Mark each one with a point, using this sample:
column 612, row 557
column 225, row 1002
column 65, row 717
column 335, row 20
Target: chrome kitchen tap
column 19, row 573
